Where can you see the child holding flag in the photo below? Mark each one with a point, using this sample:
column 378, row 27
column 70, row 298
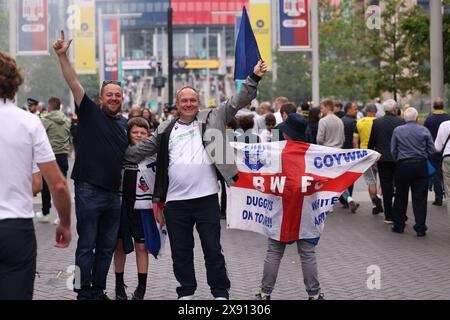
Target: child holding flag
column 137, row 218
column 294, row 128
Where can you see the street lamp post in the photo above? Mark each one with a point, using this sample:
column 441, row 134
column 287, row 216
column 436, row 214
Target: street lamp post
column 170, row 51
column 436, row 50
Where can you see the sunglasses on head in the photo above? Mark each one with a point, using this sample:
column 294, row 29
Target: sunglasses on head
column 106, row 82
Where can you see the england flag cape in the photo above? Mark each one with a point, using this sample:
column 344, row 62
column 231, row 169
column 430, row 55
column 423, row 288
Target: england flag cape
column 286, row 188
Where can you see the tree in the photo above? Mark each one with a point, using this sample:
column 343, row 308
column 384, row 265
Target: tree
column 398, row 50
column 43, row 79
column 346, row 71
column 293, row 78
column 4, row 35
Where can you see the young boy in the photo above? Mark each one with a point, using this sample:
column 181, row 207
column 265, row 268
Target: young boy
column 137, row 192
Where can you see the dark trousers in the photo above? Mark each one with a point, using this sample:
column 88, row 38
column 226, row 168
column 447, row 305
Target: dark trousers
column 98, row 219
column 438, row 180
column 386, row 171
column 63, row 163
column 17, row 259
column 223, row 199
column 181, row 216
column 411, row 174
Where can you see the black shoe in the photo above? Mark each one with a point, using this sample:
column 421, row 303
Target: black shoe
column 397, row 229
column 102, row 296
column 375, row 211
column 378, row 205
column 121, row 294
column 437, row 202
column 138, row 294
column 421, row 233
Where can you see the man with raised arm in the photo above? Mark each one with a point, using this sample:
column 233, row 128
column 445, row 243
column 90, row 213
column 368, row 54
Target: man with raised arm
column 191, row 156
column 102, row 141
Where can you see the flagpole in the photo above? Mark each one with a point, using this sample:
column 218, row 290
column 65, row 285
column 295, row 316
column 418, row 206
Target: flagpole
column 208, row 81
column 12, row 28
column 315, row 52
column 274, row 30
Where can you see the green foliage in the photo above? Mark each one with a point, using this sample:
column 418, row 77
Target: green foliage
column 4, row 34
column 43, row 79
column 346, row 71
column 401, row 50
column 91, row 85
column 294, row 78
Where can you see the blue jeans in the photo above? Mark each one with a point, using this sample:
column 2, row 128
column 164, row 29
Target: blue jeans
column 98, row 219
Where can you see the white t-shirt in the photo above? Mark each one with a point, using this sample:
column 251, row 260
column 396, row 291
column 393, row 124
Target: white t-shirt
column 22, row 141
column 191, row 172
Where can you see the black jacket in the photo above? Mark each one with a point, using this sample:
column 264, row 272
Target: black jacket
column 349, row 129
column 381, row 134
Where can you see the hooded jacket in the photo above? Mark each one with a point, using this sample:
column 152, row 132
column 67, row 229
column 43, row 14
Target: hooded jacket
column 57, row 127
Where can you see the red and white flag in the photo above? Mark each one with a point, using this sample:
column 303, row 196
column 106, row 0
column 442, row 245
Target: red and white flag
column 286, row 188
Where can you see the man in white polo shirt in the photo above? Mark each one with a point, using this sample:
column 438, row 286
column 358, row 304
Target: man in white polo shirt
column 22, row 141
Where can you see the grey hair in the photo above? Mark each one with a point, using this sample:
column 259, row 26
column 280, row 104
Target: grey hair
column 389, row 105
column 177, row 95
column 410, row 114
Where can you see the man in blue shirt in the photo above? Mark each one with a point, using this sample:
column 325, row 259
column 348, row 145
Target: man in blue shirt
column 432, row 123
column 411, row 146
column 102, row 140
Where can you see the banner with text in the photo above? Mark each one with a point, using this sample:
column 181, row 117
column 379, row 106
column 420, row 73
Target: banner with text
column 32, row 27
column 294, row 25
column 84, row 39
column 111, row 49
column 260, row 20
column 286, row 188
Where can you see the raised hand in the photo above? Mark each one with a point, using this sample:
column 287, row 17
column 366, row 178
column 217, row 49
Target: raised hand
column 260, row 68
column 61, row 45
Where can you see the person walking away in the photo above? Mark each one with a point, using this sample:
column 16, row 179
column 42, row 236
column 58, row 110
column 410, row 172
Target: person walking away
column 411, row 146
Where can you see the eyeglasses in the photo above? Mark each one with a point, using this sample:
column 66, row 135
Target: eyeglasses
column 106, row 82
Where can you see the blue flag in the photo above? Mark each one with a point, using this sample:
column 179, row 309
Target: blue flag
column 247, row 53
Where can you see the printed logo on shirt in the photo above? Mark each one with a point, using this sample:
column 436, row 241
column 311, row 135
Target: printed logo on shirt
column 143, row 185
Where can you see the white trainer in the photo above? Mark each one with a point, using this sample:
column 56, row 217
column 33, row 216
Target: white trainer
column 57, row 221
column 186, row 297
column 41, row 218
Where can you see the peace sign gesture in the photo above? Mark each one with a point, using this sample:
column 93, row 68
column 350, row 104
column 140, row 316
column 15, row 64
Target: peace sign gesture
column 61, row 45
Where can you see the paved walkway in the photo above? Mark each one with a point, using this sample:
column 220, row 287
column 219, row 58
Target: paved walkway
column 409, row 267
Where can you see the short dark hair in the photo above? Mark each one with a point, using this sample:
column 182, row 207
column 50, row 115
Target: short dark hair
column 288, row 108
column 348, row 105
column 438, row 104
column 270, row 119
column 314, row 115
column 233, row 124
column 246, row 122
column 55, row 102
column 338, row 104
column 137, row 122
column 305, row 106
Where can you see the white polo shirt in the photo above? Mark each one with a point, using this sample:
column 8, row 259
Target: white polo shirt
column 22, row 141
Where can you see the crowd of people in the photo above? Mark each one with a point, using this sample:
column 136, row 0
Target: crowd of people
column 131, row 178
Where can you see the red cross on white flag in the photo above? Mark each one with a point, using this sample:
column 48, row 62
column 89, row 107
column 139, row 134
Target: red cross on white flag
column 286, row 188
